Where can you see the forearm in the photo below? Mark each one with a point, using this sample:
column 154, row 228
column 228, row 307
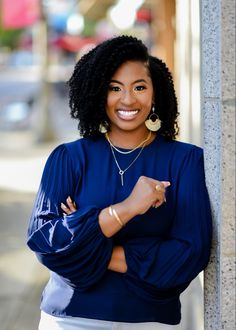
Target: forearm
column 146, row 193
column 109, row 224
column 118, row 262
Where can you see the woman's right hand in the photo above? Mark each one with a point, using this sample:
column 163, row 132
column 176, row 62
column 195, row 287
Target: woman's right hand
column 147, row 192
column 70, row 206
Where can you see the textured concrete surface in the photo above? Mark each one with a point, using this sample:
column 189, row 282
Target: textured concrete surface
column 218, row 103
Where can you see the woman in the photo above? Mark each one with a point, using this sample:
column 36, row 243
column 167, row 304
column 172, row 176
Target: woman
column 122, row 216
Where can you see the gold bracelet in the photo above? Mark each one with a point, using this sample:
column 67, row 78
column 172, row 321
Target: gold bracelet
column 113, row 212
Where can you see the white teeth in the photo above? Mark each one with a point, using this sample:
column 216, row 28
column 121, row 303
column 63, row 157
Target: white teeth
column 127, row 113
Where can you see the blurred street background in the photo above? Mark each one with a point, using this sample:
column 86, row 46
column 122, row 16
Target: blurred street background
column 40, row 42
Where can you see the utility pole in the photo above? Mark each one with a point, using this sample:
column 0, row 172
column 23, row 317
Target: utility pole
column 44, row 130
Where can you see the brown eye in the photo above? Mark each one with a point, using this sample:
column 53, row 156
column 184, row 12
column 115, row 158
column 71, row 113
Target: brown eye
column 114, row 88
column 140, row 88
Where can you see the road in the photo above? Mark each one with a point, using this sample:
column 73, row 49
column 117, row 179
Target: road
column 23, row 86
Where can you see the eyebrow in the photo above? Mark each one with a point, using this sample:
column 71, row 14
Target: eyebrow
column 134, row 82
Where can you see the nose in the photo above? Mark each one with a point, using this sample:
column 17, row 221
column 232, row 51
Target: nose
column 128, row 97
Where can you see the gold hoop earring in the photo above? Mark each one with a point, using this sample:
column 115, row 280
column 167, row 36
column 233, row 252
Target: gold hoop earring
column 153, row 122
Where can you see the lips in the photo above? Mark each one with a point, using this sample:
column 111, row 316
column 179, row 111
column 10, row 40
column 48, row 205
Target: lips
column 127, row 114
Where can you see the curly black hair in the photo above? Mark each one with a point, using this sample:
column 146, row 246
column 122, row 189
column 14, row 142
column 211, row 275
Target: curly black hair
column 88, row 85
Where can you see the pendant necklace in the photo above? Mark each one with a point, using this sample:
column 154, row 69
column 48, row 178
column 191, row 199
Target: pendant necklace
column 122, row 172
column 129, row 151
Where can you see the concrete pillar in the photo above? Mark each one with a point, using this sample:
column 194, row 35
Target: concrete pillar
column 218, row 108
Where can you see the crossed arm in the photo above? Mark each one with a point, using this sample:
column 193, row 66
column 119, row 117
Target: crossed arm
column 127, row 209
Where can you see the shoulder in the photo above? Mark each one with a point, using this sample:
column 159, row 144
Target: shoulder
column 179, row 148
column 188, row 158
column 181, row 153
column 67, row 156
column 80, row 150
column 183, row 148
column 82, row 145
column 72, row 146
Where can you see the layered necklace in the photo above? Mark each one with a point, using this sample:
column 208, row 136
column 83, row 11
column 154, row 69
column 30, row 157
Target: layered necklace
column 113, row 148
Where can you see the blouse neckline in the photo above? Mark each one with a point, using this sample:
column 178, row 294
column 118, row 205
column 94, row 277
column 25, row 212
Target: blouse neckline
column 127, row 149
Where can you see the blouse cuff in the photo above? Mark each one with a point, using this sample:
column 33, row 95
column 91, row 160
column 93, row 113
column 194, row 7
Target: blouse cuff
column 63, row 234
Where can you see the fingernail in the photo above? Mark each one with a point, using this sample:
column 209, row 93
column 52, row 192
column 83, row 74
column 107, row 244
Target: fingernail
column 69, row 199
column 63, row 206
column 166, row 183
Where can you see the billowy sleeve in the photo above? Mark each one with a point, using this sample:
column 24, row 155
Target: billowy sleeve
column 161, row 268
column 72, row 246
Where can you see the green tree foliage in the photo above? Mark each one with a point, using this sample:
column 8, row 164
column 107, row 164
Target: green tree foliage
column 9, row 38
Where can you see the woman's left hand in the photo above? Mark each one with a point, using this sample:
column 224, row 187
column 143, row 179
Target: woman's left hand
column 70, row 207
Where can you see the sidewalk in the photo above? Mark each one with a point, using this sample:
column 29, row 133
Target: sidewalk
column 22, row 277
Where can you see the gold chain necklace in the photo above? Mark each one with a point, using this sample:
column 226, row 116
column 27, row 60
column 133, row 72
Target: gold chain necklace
column 127, row 152
column 122, row 172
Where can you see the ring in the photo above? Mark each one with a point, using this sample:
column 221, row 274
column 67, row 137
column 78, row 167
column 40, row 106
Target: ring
column 158, row 186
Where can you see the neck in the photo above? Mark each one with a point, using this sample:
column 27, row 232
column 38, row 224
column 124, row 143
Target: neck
column 129, row 140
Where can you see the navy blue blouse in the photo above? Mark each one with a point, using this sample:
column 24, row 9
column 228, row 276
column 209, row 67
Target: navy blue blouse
column 165, row 248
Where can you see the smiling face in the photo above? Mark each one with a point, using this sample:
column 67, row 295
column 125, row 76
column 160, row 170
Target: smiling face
column 130, row 97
